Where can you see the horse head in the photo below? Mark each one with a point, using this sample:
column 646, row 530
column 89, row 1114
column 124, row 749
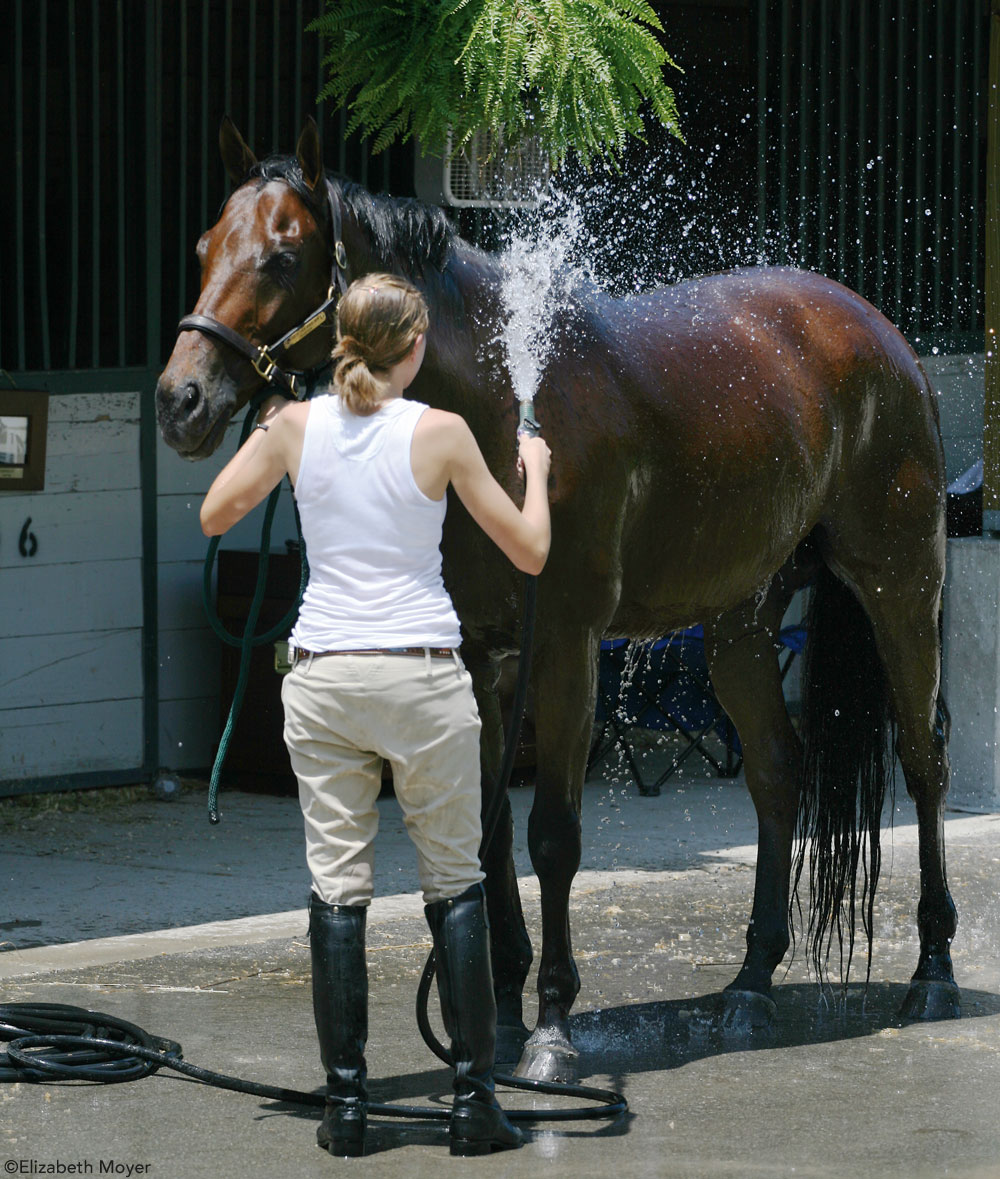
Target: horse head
column 266, row 264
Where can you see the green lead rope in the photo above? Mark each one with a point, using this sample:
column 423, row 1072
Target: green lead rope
column 248, row 640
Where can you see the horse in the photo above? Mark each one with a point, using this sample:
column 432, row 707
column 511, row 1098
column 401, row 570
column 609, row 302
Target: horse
column 717, row 445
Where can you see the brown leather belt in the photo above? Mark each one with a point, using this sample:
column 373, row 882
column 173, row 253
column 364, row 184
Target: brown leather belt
column 296, row 654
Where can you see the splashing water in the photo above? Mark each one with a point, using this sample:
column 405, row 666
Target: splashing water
column 539, row 272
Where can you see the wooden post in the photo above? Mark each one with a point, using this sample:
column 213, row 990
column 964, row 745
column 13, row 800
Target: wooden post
column 991, row 416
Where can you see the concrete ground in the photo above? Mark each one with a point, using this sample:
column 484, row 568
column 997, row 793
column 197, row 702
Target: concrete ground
column 141, row 909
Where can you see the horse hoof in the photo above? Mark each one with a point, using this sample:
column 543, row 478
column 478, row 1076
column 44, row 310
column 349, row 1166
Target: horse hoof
column 548, row 1056
column 932, row 999
column 511, row 1038
column 744, row 1013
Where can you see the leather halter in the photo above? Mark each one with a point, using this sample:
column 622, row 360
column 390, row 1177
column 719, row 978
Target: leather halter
column 267, row 359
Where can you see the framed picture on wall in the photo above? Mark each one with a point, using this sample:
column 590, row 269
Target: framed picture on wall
column 24, row 419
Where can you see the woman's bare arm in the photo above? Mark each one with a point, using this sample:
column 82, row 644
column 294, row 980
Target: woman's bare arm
column 257, row 467
column 523, row 536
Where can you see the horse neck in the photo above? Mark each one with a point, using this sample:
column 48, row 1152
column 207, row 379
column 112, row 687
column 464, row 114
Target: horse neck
column 464, row 369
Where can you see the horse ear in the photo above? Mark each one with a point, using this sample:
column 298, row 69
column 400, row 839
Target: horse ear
column 309, row 154
column 237, row 157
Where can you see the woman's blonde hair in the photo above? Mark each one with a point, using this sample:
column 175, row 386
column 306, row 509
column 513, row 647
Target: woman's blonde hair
column 378, row 321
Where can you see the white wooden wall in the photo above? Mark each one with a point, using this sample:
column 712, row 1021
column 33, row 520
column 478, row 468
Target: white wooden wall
column 190, row 653
column 71, row 615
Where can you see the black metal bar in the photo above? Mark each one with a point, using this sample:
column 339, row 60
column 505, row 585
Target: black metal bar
column 786, row 56
column 147, row 417
column 919, row 146
column 276, row 72
column 803, row 125
column 74, row 190
column 320, row 80
column 95, row 186
column 228, row 60
column 823, row 174
column 842, row 148
column 43, row 112
column 297, row 84
column 19, row 177
column 203, row 218
column 978, row 110
column 902, row 10
column 120, row 187
column 958, row 199
column 938, row 179
column 761, row 125
column 862, row 164
column 182, row 165
column 882, row 102
column 251, row 69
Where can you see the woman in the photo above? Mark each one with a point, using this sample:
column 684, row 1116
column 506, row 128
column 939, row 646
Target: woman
column 376, row 674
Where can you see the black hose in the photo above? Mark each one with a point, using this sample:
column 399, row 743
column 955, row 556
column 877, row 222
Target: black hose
column 613, row 1103
column 51, row 1041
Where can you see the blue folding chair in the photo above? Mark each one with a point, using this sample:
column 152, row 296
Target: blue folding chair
column 665, row 686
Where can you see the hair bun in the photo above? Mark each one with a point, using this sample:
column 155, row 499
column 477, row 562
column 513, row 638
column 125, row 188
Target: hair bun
column 350, row 348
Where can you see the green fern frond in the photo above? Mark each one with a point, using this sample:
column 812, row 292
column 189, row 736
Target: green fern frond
column 576, row 73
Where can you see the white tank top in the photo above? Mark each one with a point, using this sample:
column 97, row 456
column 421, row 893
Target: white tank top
column 372, row 537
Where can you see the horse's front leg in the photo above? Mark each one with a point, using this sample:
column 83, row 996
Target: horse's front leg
column 509, row 942
column 565, row 685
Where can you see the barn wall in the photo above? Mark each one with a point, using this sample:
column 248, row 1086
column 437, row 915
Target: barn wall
column 71, row 684
column 190, row 654
column 959, row 381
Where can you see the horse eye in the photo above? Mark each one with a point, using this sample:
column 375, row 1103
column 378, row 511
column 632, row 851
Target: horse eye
column 282, row 266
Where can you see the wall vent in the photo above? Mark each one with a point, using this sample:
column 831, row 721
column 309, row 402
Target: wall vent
column 510, row 176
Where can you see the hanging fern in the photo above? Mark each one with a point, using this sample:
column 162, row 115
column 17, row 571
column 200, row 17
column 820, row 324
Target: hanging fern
column 575, row 73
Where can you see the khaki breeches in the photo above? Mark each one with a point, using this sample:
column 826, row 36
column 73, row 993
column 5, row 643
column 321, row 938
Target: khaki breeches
column 344, row 714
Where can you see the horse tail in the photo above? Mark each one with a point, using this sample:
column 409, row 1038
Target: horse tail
column 847, row 733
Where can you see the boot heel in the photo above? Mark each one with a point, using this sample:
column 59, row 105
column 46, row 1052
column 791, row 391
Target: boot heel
column 347, row 1148
column 469, row 1147
column 342, row 1131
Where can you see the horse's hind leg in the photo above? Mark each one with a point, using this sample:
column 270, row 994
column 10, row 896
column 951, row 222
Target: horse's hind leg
column 744, row 666
column 902, row 600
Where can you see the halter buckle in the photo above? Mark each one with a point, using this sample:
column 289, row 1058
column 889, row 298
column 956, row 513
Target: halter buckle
column 267, row 372
column 340, row 254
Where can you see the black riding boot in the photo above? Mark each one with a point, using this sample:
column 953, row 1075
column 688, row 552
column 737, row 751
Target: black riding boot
column 340, row 1004
column 465, row 984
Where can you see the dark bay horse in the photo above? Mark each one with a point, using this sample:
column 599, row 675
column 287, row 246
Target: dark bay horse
column 716, row 445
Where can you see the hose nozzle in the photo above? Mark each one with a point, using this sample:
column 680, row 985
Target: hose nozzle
column 527, row 423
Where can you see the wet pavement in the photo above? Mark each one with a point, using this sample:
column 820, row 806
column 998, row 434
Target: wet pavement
column 141, row 910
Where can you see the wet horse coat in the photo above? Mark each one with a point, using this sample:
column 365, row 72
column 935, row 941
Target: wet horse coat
column 716, row 445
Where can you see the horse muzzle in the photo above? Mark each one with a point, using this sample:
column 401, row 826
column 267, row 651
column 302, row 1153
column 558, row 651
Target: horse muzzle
column 190, row 421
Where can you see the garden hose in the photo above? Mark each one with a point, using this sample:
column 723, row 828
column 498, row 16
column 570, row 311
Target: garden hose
column 50, row 1041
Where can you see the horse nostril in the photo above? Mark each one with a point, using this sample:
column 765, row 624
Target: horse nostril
column 190, row 398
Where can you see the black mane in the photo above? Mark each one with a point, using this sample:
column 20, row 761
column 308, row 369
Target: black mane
column 399, row 229
column 402, row 231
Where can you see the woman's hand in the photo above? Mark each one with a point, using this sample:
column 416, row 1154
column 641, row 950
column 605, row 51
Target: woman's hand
column 533, row 455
